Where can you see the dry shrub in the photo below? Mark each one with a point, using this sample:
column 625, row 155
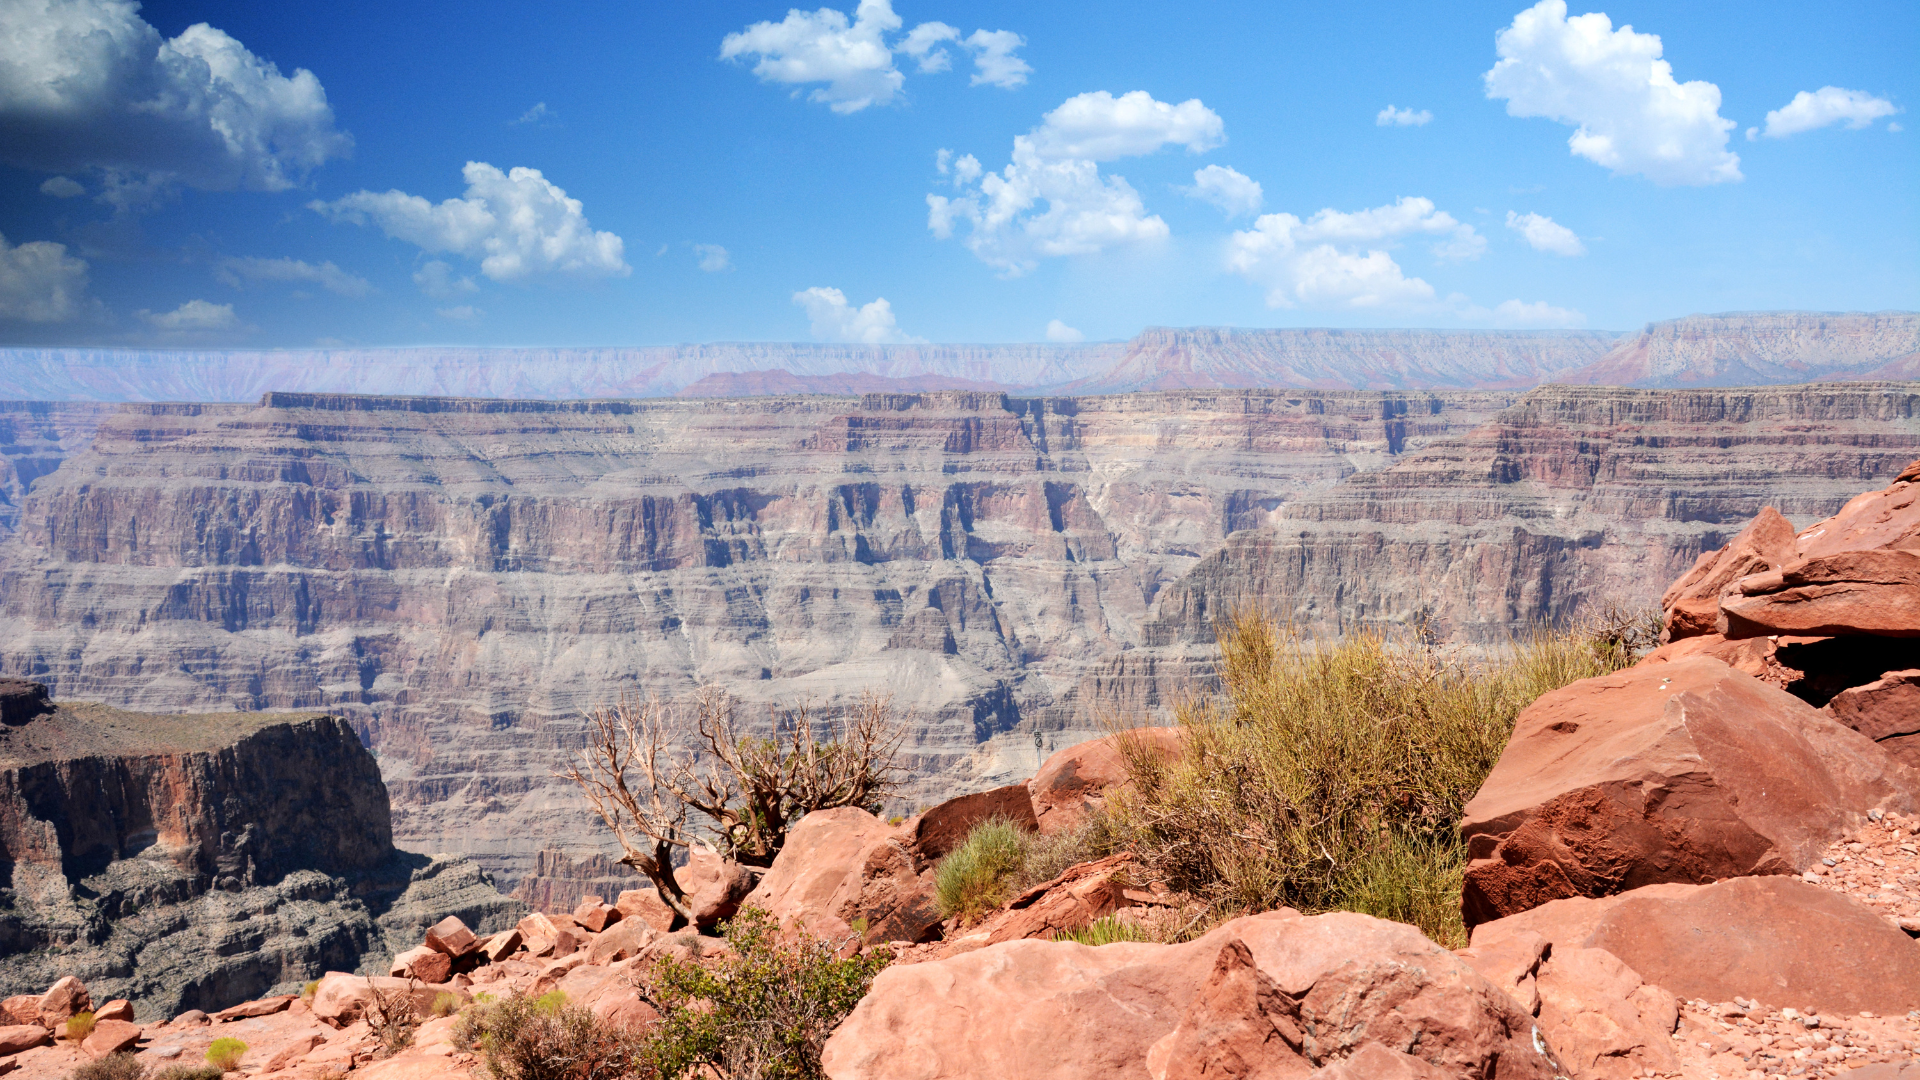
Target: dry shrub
column 195, row 1072
column 546, row 1038
column 393, row 1017
column 120, row 1066
column 1332, row 776
column 79, row 1026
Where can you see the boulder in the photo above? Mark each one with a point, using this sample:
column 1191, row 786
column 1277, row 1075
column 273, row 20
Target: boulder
column 1876, row 520
column 65, row 998
column 714, row 885
column 20, row 1009
column 17, row 1037
column 423, row 963
column 1777, row 940
column 1074, row 781
column 501, row 945
column 342, row 999
column 1692, row 603
column 624, row 1008
column 266, row 1006
column 1602, row 1019
column 1077, row 897
column 117, row 1009
column 1512, row 963
column 293, row 1050
column 1056, row 1010
column 889, row 892
column 946, row 826
column 1886, row 710
column 821, row 850
column 451, row 936
column 1376, row 1062
column 110, row 1037
column 596, row 915
column 1686, row 771
column 646, row 905
column 1852, row 592
column 624, row 939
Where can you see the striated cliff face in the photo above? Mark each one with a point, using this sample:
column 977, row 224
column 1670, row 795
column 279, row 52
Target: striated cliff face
column 461, row 579
column 1572, row 495
column 1758, row 348
column 35, row 436
column 197, row 861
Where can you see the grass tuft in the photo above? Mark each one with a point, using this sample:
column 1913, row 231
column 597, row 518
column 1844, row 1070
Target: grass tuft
column 977, row 876
column 225, row 1053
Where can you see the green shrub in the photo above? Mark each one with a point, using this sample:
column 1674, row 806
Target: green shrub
column 121, row 1066
column 976, row 877
column 762, row 1011
column 445, row 1004
column 1332, row 777
column 522, row 1037
column 1104, row 932
column 225, row 1053
column 307, row 991
column 79, row 1026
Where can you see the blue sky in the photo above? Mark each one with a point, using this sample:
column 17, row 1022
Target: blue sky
column 192, row 196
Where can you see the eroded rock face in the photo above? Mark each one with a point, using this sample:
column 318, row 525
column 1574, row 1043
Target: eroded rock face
column 1686, row 771
column 1886, row 710
column 1776, row 940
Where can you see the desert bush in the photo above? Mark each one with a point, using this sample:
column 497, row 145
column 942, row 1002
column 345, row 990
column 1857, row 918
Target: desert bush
column 225, row 1053
column 1332, row 776
column 523, row 1037
column 761, row 1012
column 393, row 1017
column 121, row 1066
column 311, row 988
column 1105, row 932
column 976, row 877
column 445, row 1004
column 79, row 1026
column 191, row 1072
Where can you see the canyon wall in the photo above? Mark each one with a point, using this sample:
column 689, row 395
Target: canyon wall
column 187, row 861
column 1759, row 348
column 35, row 436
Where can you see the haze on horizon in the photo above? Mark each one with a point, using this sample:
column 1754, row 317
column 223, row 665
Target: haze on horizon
column 213, row 174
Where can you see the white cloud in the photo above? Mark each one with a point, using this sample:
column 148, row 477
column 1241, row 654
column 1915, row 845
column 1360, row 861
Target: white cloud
column 61, row 187
column 1542, row 233
column 328, row 276
column 461, row 313
column 192, row 315
column 1340, row 260
column 437, row 280
column 834, row 319
column 1232, row 191
column 993, row 60
column 1537, row 314
column 517, row 224
column 539, row 114
column 1058, row 331
column 40, row 282
column 1825, row 106
column 1392, row 117
column 1058, row 163
column 922, row 43
column 852, row 58
column 1629, row 113
column 88, row 84
column 712, row 258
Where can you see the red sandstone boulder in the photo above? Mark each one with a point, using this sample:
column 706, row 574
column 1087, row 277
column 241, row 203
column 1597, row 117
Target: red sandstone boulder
column 714, row 885
column 1376, row 1062
column 820, row 852
column 1777, row 940
column 110, row 1037
column 1602, row 1019
column 423, row 963
column 259, row 1007
column 1693, row 602
column 624, row 939
column 451, row 936
column 1876, row 520
column 1057, row 1010
column 946, row 826
column 1077, row 897
column 117, row 1009
column 1887, row 711
column 17, row 1037
column 1851, row 592
column 646, row 905
column 20, row 1009
column 502, row 945
column 596, row 915
column 1679, row 772
column 65, row 998
column 1074, row 781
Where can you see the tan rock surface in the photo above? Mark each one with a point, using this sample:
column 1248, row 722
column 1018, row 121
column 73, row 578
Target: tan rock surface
column 1074, row 781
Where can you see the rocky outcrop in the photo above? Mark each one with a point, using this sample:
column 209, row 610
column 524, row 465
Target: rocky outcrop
column 1756, row 348
column 559, row 882
column 1074, row 782
column 195, row 861
column 35, row 436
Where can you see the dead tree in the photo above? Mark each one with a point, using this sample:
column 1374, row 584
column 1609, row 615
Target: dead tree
column 750, row 789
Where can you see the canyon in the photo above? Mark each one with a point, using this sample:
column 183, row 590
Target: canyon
column 460, row 579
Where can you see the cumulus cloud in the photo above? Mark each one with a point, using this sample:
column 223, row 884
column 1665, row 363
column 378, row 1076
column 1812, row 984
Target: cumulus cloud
column 1612, row 86
column 1058, row 331
column 712, row 258
column 1392, row 117
column 517, row 224
column 1824, row 107
column 88, row 84
column 854, row 58
column 1232, row 191
column 40, row 282
column 194, row 315
column 237, row 272
column 1340, row 260
column 61, row 187
column 1058, row 163
column 539, row 114
column 1542, row 233
column 834, row 319
column 1537, row 314
column 438, row 281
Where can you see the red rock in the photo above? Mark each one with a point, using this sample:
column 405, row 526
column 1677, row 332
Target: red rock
column 21, row 1009
column 1851, row 592
column 1512, row 963
column 1077, row 897
column 1376, row 1062
column 1887, row 711
column 452, row 937
column 423, row 963
column 110, row 1037
column 190, row 1018
column 18, row 1037
column 596, row 915
column 1239, row 1024
column 66, row 997
column 342, row 999
column 890, row 892
column 1777, row 940
column 1693, row 602
column 502, row 944
column 117, row 1009
column 1885, row 519
column 714, row 885
column 646, row 905
column 1044, row 1010
column 821, row 850
column 624, row 1008
column 292, row 1051
column 1075, row 780
column 625, row 939
column 944, row 827
column 1680, row 772
column 261, row 1007
column 1602, row 1019
column 538, row 925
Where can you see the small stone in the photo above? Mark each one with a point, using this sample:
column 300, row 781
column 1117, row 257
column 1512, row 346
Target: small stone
column 1811, row 1022
column 1789, row 1014
column 1827, row 862
column 1876, row 814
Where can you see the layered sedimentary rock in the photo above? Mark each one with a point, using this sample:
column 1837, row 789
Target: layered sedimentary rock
column 1572, row 495
column 35, row 436
column 196, row 861
column 1755, row 348
column 461, row 579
